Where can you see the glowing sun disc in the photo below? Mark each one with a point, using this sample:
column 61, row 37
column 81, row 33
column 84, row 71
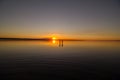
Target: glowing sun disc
column 53, row 38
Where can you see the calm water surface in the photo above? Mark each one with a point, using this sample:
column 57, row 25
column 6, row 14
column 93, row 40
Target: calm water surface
column 59, row 60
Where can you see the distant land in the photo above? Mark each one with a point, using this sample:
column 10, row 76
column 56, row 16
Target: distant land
column 47, row 39
column 16, row 39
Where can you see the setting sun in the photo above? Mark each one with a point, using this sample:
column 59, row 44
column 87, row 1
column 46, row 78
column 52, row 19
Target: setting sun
column 54, row 38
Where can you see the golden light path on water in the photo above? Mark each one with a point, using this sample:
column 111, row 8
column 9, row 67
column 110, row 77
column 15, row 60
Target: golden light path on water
column 53, row 41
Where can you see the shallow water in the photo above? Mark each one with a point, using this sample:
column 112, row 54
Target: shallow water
column 87, row 60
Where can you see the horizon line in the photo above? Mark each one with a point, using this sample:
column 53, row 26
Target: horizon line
column 48, row 39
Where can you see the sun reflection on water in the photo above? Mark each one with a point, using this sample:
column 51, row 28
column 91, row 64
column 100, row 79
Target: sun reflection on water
column 53, row 41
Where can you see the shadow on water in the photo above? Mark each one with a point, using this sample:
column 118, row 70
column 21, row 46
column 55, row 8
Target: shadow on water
column 60, row 43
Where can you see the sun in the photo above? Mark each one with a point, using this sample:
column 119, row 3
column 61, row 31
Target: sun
column 53, row 38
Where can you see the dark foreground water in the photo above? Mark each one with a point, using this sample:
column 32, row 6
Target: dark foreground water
column 77, row 60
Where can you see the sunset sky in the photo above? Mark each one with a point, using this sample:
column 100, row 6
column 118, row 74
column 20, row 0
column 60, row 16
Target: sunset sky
column 88, row 19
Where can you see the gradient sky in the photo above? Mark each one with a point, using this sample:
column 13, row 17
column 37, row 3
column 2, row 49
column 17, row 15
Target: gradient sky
column 90, row 19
